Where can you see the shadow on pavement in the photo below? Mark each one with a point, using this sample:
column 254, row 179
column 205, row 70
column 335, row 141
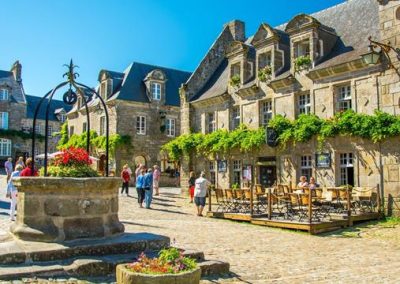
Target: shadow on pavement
column 4, row 205
column 170, row 211
column 139, row 224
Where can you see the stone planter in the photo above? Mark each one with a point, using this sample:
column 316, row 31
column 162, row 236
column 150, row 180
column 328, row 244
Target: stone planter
column 125, row 276
column 54, row 209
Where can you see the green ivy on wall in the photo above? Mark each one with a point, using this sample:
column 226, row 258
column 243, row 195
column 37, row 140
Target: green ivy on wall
column 375, row 127
column 7, row 133
column 97, row 142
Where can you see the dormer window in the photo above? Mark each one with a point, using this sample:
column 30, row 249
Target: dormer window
column 63, row 117
column 106, row 89
column 235, row 75
column 264, row 59
column 302, row 48
column 3, row 94
column 155, row 89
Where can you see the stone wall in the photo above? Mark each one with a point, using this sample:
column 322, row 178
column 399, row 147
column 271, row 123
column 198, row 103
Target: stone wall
column 62, row 209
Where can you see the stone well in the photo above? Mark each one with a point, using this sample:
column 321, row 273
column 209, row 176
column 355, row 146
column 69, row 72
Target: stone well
column 56, row 209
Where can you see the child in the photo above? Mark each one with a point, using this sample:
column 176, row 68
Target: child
column 12, row 191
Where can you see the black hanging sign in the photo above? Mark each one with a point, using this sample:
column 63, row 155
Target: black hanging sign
column 271, row 137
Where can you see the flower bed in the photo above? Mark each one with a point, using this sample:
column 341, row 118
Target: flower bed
column 170, row 267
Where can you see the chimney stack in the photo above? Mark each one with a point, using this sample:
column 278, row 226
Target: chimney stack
column 237, row 30
column 16, row 69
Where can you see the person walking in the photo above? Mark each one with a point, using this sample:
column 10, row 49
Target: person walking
column 29, row 170
column 148, row 188
column 9, row 168
column 192, row 182
column 156, row 179
column 20, row 162
column 140, row 187
column 12, row 191
column 200, row 191
column 126, row 177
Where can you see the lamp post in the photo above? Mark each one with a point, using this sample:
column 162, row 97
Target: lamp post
column 376, row 50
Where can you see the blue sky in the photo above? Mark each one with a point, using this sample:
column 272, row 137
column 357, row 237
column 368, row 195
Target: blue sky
column 100, row 34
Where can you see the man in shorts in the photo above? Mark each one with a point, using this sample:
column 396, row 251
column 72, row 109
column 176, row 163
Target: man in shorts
column 200, row 192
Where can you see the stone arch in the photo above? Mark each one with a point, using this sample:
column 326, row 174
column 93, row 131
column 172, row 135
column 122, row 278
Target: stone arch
column 140, row 159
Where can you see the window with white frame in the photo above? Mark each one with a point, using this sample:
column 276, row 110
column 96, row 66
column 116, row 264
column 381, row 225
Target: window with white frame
column 306, row 166
column 304, row 104
column 3, row 120
column 71, row 131
column 170, row 126
column 38, row 128
column 346, row 168
column 211, row 122
column 266, row 112
column 237, row 172
column 5, row 147
column 302, row 48
column 102, row 125
column 344, row 98
column 211, row 168
column 235, row 117
column 103, row 89
column 63, row 117
column 49, row 131
column 155, row 89
column 141, row 125
column 3, row 94
column 235, row 70
column 264, row 59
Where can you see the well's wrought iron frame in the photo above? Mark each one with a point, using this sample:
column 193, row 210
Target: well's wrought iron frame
column 69, row 98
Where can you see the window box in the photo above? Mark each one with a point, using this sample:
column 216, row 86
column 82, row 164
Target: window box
column 302, row 63
column 235, row 81
column 264, row 74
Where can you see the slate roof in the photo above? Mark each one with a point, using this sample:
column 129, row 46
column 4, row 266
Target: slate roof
column 55, row 106
column 5, row 74
column 353, row 21
column 133, row 87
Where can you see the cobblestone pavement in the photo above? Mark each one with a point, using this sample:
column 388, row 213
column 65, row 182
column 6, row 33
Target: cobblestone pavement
column 260, row 254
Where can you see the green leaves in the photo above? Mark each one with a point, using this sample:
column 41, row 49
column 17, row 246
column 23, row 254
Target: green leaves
column 220, row 141
column 376, row 127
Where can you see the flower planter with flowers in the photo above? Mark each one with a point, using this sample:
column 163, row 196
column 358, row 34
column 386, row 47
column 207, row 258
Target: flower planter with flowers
column 301, row 63
column 170, row 267
column 71, row 203
column 264, row 74
column 235, row 81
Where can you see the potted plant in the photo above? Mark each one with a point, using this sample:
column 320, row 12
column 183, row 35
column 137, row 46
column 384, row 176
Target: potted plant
column 264, row 74
column 235, row 80
column 235, row 186
column 73, row 202
column 170, row 267
column 302, row 62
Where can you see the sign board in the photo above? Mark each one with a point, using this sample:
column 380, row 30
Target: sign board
column 271, row 137
column 323, row 160
column 222, row 166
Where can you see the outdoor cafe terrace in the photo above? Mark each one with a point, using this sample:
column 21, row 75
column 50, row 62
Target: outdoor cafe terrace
column 314, row 210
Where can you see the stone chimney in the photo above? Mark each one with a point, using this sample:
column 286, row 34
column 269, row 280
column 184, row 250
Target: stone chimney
column 16, row 69
column 237, row 29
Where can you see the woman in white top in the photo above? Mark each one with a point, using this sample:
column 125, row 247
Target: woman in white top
column 303, row 182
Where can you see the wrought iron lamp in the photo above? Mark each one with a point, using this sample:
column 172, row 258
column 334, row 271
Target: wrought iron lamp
column 376, row 50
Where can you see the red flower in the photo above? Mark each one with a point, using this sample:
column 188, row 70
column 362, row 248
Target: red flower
column 72, row 157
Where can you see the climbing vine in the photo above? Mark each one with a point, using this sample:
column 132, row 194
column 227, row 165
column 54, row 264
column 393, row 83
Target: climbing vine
column 97, row 142
column 375, row 127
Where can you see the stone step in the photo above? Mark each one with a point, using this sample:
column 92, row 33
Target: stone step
column 19, row 252
column 95, row 266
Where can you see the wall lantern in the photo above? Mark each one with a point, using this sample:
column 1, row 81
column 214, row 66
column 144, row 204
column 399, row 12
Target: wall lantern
column 375, row 51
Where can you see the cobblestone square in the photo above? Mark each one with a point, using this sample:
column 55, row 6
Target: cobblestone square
column 260, row 254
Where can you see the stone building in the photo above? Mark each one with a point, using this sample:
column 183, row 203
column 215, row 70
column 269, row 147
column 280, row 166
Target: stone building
column 16, row 117
column 337, row 79
column 142, row 102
